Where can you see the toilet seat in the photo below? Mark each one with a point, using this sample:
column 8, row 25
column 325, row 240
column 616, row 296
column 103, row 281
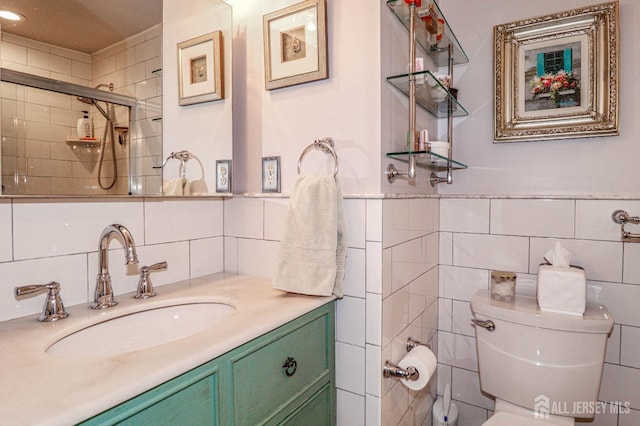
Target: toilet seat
column 509, row 419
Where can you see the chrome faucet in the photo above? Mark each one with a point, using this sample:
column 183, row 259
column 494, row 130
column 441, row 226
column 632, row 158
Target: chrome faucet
column 104, row 292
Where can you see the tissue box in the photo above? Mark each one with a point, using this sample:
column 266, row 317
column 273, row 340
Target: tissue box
column 562, row 290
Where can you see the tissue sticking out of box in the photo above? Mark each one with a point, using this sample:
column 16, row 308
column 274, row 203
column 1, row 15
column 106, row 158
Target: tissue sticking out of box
column 561, row 288
column 558, row 256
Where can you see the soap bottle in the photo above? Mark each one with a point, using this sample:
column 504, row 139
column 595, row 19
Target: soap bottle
column 84, row 126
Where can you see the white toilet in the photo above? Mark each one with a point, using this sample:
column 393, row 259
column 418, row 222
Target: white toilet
column 542, row 368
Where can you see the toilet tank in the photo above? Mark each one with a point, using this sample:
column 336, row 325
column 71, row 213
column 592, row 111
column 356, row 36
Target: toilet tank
column 533, row 357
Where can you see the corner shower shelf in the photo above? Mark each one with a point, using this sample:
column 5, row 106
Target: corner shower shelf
column 427, row 90
column 83, row 143
column 428, row 160
column 438, row 50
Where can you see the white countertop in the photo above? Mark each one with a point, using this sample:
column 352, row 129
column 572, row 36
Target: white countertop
column 37, row 388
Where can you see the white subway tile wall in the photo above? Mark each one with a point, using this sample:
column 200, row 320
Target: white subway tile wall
column 54, row 227
column 391, row 290
column 70, row 271
column 480, row 234
column 351, row 408
column 394, row 288
column 355, row 276
column 554, row 218
column 44, row 240
column 409, row 300
column 6, row 230
column 180, row 220
column 252, row 239
column 464, row 215
column 249, row 217
column 350, row 368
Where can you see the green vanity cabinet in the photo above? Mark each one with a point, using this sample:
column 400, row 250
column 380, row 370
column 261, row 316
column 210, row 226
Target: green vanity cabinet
column 285, row 377
column 190, row 399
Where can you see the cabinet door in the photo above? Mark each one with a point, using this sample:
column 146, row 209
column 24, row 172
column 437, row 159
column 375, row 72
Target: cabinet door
column 316, row 411
column 190, row 399
column 263, row 387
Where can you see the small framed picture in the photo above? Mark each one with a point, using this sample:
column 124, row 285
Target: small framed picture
column 271, row 174
column 295, row 44
column 201, row 69
column 223, row 176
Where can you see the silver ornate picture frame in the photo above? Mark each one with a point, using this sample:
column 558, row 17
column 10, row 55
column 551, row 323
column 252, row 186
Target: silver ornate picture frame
column 556, row 76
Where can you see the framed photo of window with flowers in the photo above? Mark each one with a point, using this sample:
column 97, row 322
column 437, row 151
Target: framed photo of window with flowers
column 556, row 76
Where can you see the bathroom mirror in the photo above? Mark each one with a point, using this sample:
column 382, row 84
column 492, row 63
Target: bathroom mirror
column 113, row 55
column 201, row 29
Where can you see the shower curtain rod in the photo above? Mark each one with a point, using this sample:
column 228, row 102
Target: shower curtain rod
column 24, row 79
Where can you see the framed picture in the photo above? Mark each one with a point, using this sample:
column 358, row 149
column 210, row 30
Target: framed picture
column 556, row 76
column 295, row 44
column 201, row 69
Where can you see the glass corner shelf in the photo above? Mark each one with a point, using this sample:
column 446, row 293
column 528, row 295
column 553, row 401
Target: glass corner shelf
column 427, row 159
column 434, row 45
column 430, row 94
column 157, row 72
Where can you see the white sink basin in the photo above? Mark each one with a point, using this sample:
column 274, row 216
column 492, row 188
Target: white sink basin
column 140, row 330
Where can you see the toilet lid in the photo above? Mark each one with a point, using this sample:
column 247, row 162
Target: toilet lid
column 509, row 419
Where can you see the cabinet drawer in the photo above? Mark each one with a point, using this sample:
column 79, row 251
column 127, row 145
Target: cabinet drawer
column 261, row 386
column 188, row 399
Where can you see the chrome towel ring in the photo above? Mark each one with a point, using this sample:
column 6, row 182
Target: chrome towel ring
column 184, row 156
column 324, row 144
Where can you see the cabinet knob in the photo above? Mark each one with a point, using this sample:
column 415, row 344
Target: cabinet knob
column 290, row 366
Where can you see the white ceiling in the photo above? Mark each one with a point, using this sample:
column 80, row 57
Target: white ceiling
column 83, row 25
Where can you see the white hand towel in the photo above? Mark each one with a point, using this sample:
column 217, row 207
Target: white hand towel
column 313, row 249
column 198, row 187
column 172, row 187
column 176, row 186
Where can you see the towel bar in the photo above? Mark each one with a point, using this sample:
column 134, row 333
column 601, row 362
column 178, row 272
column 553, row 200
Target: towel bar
column 324, row 144
column 621, row 217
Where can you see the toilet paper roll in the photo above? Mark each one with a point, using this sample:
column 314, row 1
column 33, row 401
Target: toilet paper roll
column 423, row 360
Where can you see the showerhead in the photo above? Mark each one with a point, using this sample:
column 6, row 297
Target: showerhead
column 93, row 102
column 109, row 86
column 86, row 100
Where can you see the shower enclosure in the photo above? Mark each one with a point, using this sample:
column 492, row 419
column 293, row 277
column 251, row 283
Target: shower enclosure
column 42, row 154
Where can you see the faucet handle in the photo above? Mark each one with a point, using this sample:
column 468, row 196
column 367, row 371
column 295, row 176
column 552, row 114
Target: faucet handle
column 145, row 288
column 53, row 309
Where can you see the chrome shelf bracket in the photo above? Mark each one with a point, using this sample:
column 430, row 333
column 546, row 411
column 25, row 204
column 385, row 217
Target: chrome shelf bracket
column 621, row 217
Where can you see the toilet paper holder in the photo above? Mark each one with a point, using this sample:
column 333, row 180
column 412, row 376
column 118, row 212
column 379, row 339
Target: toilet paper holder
column 410, row 373
column 392, row 370
column 412, row 343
